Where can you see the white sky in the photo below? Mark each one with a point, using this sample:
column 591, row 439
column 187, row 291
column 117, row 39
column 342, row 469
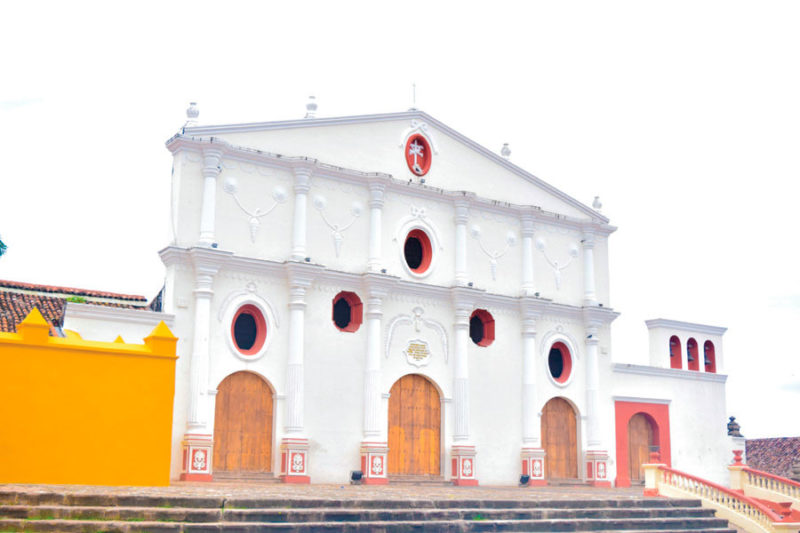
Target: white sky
column 683, row 116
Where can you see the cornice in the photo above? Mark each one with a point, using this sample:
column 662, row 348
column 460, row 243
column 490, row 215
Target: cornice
column 685, row 326
column 637, row 399
column 625, row 368
column 597, row 315
column 117, row 314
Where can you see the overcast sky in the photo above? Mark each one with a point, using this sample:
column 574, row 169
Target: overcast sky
column 684, row 117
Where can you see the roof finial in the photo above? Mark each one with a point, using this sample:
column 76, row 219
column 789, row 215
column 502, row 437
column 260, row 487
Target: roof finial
column 413, row 97
column 505, row 151
column 192, row 112
column 597, row 205
column 311, row 107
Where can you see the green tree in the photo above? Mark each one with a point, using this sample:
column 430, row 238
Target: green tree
column 3, row 247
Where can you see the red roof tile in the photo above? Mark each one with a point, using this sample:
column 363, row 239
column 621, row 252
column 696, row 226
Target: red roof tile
column 775, row 456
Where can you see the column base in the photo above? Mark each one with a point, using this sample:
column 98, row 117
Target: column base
column 597, row 468
column 197, row 457
column 463, row 466
column 533, row 466
column 373, row 463
column 294, row 461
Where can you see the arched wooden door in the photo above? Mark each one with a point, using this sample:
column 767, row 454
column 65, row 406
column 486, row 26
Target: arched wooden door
column 243, row 424
column 414, row 427
column 640, row 438
column 559, row 439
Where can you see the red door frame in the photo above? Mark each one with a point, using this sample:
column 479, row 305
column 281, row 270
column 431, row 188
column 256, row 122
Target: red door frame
column 623, row 412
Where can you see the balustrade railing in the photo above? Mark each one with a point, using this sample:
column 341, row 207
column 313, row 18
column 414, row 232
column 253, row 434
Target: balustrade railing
column 769, row 486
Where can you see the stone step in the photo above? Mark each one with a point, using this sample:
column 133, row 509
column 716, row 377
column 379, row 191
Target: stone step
column 246, row 477
column 96, row 526
column 334, row 514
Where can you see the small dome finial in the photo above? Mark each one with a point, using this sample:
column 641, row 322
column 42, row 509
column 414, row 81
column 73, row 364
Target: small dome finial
column 192, row 112
column 597, row 205
column 505, row 151
column 311, row 107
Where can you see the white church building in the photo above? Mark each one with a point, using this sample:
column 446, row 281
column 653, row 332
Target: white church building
column 381, row 294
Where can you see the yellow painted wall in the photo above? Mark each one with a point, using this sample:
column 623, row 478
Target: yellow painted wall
column 74, row 411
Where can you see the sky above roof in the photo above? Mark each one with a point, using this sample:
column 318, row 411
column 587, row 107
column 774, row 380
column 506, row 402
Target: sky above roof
column 682, row 116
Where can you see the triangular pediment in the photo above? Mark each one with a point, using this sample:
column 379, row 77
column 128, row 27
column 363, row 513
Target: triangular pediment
column 377, row 143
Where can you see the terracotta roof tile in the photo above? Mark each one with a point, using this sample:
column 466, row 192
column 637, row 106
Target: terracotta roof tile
column 70, row 290
column 775, row 456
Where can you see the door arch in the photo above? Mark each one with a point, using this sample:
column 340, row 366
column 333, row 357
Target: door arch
column 414, row 427
column 560, row 439
column 641, row 436
column 243, row 424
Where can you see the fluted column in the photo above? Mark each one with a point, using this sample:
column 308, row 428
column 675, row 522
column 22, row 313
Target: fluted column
column 198, row 367
column 531, row 431
column 461, row 373
column 461, row 219
column 589, row 295
column 302, row 184
column 374, row 261
column 211, row 169
column 592, row 387
column 527, row 255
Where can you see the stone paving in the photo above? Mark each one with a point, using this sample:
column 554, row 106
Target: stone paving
column 354, row 492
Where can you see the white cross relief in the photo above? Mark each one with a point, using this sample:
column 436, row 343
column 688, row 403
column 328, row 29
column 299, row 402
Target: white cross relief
column 415, row 149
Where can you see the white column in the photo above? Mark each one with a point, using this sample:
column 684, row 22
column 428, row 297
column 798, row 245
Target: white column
column 375, row 260
column 376, row 288
column 527, row 255
column 531, row 430
column 211, row 169
column 198, row 367
column 589, row 296
column 302, row 184
column 592, row 388
column 463, row 309
column 461, row 219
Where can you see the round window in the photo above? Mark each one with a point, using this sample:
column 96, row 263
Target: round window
column 249, row 329
column 347, row 311
column 418, row 251
column 559, row 361
column 418, row 154
column 481, row 327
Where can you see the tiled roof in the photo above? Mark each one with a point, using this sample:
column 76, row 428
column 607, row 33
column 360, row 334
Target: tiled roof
column 17, row 299
column 775, row 456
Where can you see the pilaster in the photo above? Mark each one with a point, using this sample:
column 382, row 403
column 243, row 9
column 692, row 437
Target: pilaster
column 375, row 258
column 527, row 230
column 212, row 157
column 589, row 295
column 461, row 219
column 302, row 184
column 532, row 453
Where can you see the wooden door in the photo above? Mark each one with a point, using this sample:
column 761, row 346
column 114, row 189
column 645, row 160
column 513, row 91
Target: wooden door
column 559, row 439
column 640, row 438
column 414, row 427
column 243, row 424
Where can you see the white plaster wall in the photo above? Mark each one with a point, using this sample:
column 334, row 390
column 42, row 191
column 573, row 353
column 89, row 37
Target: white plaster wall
column 187, row 191
column 559, row 246
column 699, row 441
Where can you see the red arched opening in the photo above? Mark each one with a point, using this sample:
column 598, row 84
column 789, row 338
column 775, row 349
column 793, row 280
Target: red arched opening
column 642, row 439
column 709, row 357
column 657, row 415
column 675, row 352
column 559, row 439
column 692, row 355
column 414, row 427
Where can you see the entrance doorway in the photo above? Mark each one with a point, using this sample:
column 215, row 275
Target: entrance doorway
column 640, row 440
column 559, row 439
column 243, row 424
column 414, row 427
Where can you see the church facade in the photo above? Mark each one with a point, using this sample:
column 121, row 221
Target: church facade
column 380, row 293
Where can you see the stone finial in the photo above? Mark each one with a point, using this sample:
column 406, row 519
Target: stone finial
column 505, row 151
column 192, row 112
column 597, row 205
column 311, row 107
column 733, row 427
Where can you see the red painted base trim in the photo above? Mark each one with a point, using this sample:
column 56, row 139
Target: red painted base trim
column 651, row 492
column 375, row 481
column 620, row 482
column 600, row 483
column 302, row 480
column 537, row 483
column 465, row 482
column 196, row 477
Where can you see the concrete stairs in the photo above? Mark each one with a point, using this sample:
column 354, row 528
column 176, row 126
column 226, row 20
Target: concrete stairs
column 86, row 513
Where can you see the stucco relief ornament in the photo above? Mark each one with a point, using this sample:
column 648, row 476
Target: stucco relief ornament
column 417, row 321
column 199, row 460
column 337, row 230
column 297, row 462
column 278, row 194
column 377, row 466
column 467, row 467
column 557, row 268
column 601, row 470
column 493, row 256
column 537, row 468
column 417, row 353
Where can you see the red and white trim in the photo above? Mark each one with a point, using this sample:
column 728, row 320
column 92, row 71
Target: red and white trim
column 597, row 468
column 294, row 461
column 197, row 457
column 464, row 472
column 373, row 463
column 533, row 466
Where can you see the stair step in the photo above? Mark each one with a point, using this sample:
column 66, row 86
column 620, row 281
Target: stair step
column 246, row 477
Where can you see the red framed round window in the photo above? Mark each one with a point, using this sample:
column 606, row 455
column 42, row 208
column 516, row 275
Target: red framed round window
column 417, row 251
column 418, row 154
column 481, row 327
column 249, row 329
column 347, row 311
column 559, row 362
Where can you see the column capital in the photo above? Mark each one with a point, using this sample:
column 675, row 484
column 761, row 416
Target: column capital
column 588, row 239
column 378, row 285
column 526, row 224
column 212, row 155
column 376, row 190
column 462, row 205
column 465, row 297
column 208, row 261
column 302, row 178
column 301, row 274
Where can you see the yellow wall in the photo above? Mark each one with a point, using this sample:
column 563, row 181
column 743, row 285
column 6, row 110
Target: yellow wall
column 74, row 411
